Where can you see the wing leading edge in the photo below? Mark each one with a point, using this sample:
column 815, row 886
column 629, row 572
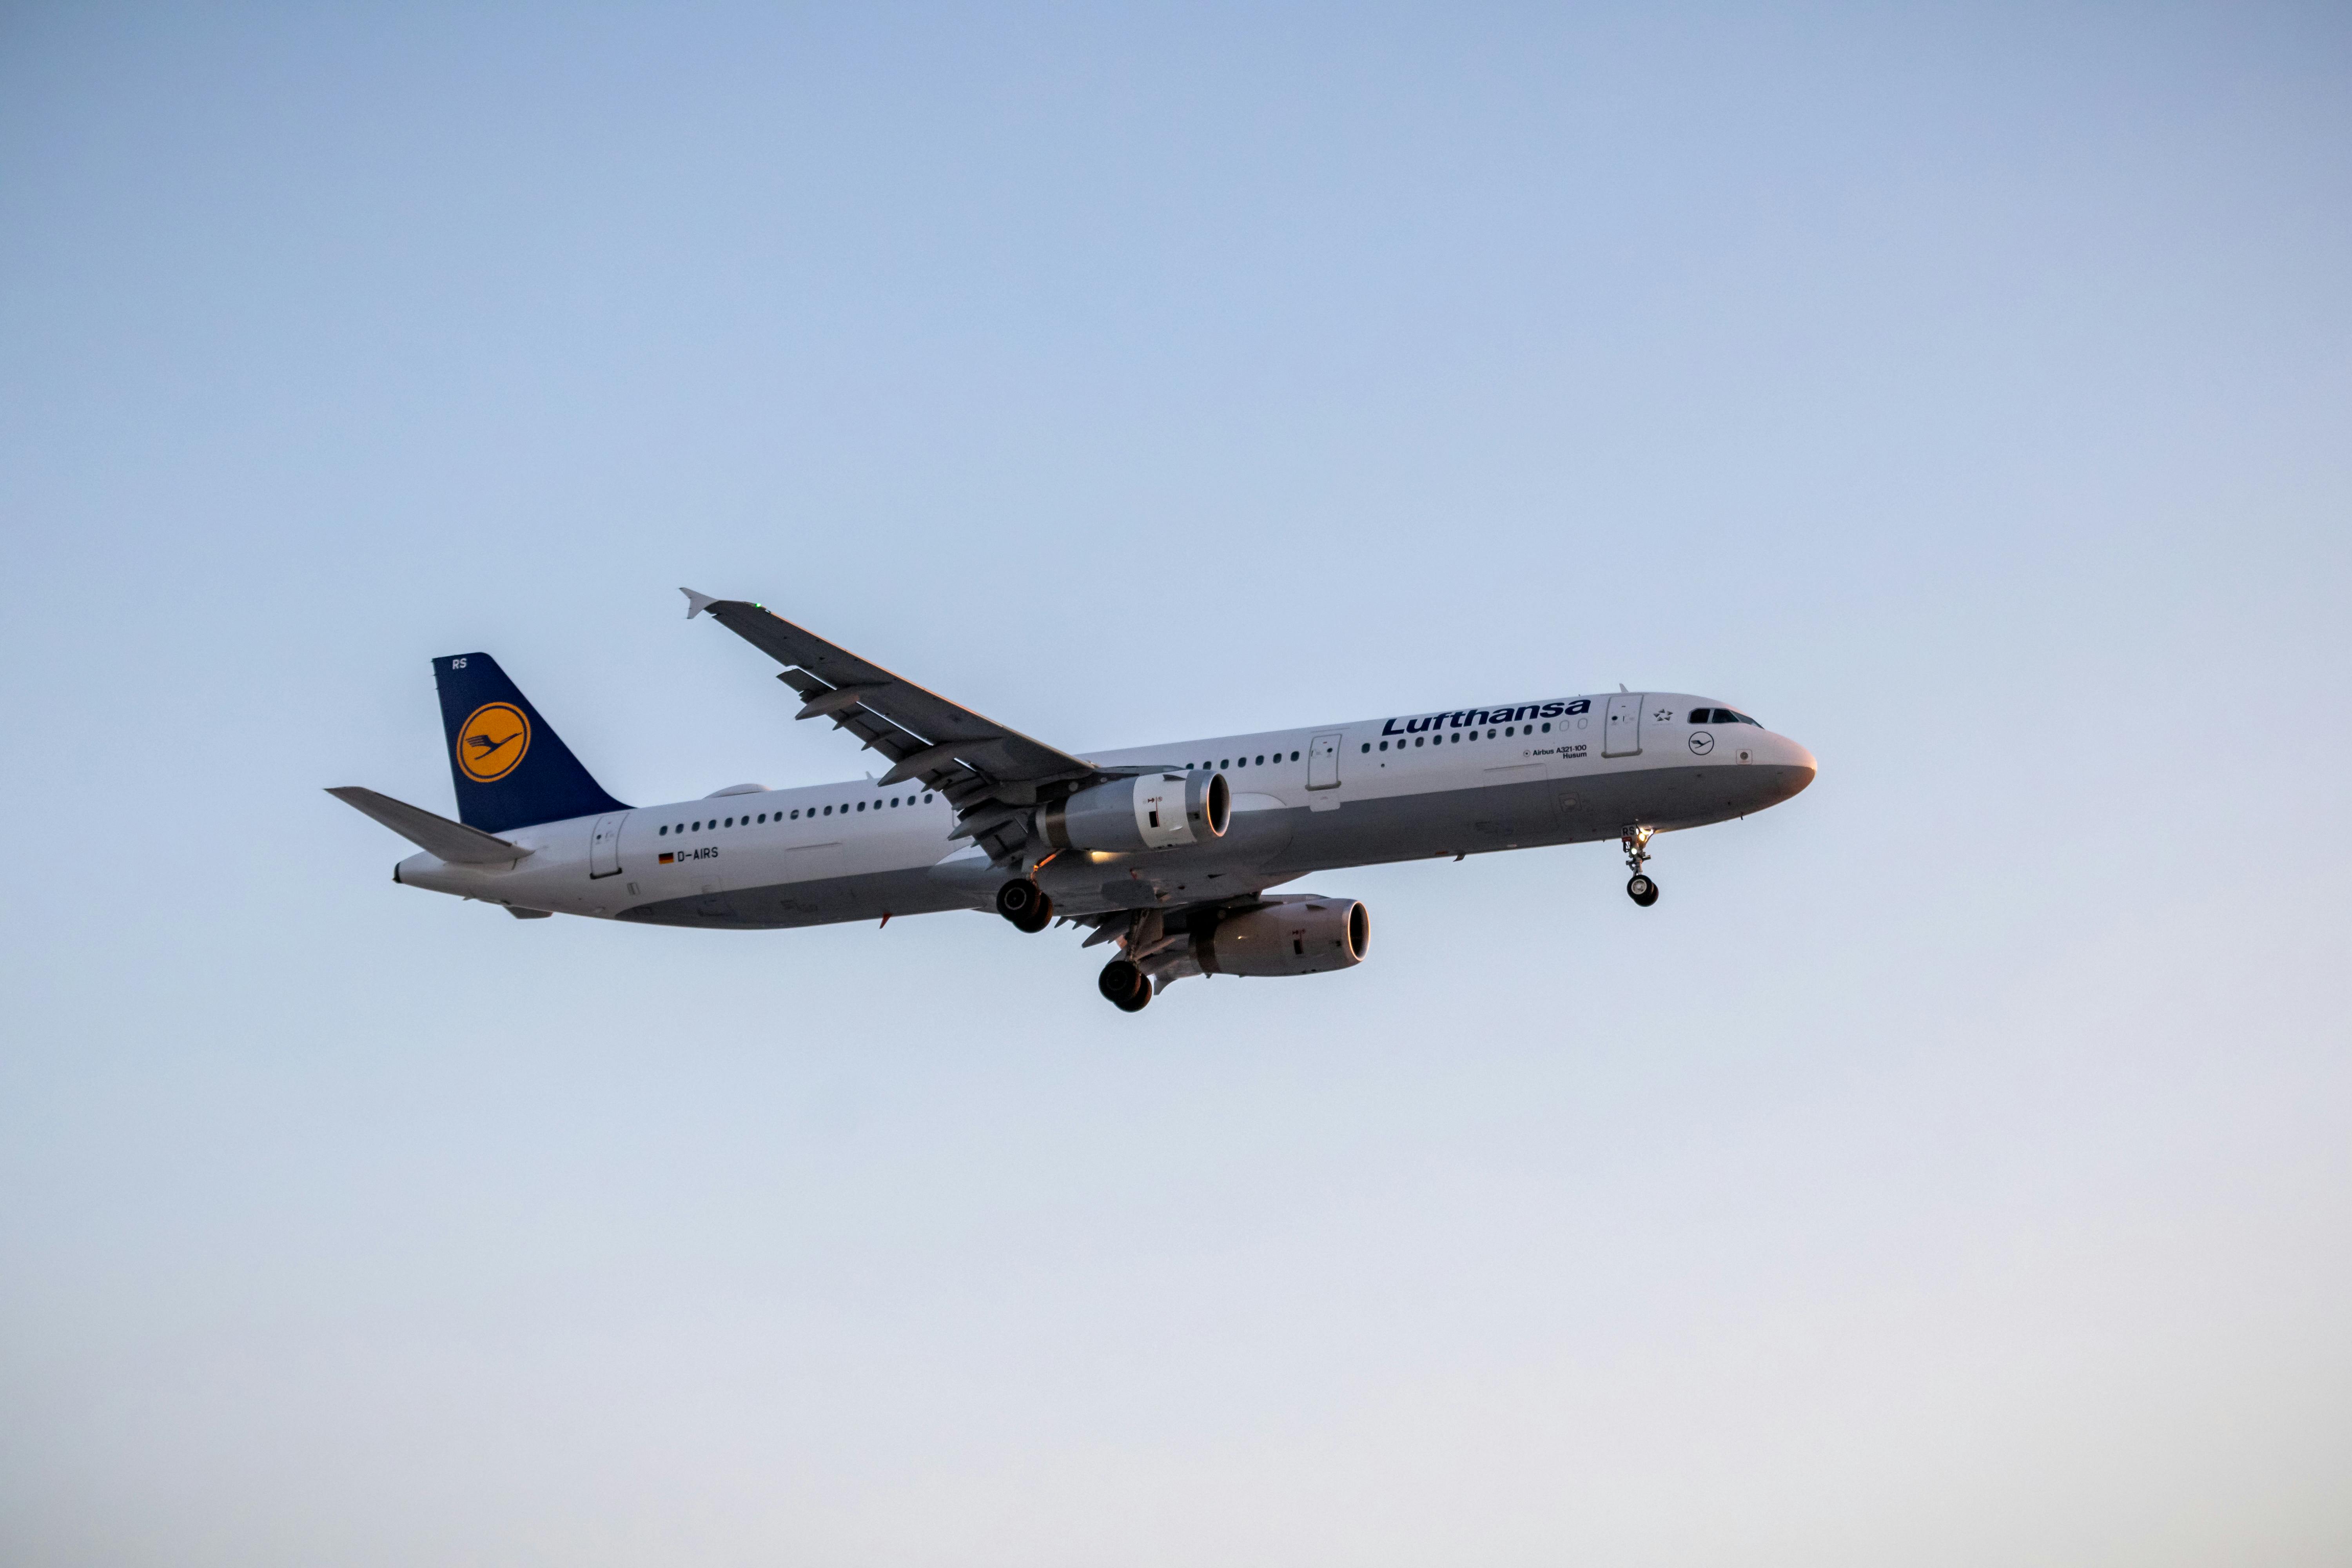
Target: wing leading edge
column 990, row 773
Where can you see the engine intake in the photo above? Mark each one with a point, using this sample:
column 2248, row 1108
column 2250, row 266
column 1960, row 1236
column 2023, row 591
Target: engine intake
column 1303, row 935
column 1152, row 811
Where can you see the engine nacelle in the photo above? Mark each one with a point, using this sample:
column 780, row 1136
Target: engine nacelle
column 1153, row 811
column 1302, row 935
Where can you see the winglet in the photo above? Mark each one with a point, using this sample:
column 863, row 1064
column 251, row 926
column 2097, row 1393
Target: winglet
column 696, row 603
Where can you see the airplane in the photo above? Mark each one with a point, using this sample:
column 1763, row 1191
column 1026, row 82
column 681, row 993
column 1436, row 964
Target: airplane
column 1169, row 852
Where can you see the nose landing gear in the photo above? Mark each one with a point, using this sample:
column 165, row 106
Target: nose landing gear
column 1024, row 903
column 1641, row 886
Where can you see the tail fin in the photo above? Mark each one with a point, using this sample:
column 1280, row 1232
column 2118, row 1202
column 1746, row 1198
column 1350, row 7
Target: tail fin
column 510, row 769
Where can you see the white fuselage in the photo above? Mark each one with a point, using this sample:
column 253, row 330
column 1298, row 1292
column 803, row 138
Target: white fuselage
column 1315, row 798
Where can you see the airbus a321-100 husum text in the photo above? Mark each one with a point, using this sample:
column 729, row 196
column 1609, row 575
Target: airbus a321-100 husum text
column 1166, row 852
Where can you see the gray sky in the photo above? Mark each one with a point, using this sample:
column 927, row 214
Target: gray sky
column 1952, row 1168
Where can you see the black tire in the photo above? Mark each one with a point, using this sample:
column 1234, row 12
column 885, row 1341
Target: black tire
column 1038, row 917
column 1018, row 898
column 1642, row 889
column 1124, row 986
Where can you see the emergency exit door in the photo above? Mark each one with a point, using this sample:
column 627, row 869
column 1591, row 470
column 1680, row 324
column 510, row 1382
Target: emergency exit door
column 1323, row 763
column 1621, row 733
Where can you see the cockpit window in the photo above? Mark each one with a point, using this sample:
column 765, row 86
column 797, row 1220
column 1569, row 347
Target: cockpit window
column 1721, row 716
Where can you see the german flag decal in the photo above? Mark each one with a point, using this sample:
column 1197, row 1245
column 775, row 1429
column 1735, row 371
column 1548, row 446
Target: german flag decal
column 667, row 858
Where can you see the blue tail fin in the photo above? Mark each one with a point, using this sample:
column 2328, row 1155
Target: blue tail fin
column 510, row 769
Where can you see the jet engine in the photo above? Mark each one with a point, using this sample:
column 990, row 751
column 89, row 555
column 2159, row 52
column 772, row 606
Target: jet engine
column 1301, row 934
column 1152, row 811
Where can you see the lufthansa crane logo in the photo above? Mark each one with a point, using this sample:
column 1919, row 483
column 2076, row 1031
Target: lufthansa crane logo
column 491, row 742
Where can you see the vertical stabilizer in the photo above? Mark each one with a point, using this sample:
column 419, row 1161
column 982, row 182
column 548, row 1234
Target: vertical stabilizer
column 512, row 770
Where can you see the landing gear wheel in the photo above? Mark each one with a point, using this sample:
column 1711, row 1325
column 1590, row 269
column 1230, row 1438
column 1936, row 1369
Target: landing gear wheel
column 1024, row 903
column 1124, row 985
column 1640, row 888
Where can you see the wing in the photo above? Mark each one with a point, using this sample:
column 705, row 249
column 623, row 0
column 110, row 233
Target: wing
column 990, row 773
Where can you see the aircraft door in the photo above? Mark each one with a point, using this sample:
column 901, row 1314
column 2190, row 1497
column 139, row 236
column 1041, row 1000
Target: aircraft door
column 604, row 847
column 1323, row 763
column 1621, row 732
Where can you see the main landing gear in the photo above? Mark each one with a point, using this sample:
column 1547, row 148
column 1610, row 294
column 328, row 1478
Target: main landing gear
column 1125, row 986
column 1024, row 903
column 1639, row 887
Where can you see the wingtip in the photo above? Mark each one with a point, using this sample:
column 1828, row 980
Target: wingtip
column 696, row 603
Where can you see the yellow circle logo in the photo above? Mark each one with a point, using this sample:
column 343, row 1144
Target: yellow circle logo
column 492, row 742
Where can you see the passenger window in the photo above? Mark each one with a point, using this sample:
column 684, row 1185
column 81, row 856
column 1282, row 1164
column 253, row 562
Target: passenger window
column 796, row 815
column 828, row 811
column 926, row 800
column 1420, row 740
column 664, row 832
column 1367, row 746
column 697, row 827
column 1384, row 746
column 1261, row 761
column 1546, row 730
column 1226, row 763
column 861, row 805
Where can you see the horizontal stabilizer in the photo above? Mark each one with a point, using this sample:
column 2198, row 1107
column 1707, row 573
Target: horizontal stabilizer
column 453, row 841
